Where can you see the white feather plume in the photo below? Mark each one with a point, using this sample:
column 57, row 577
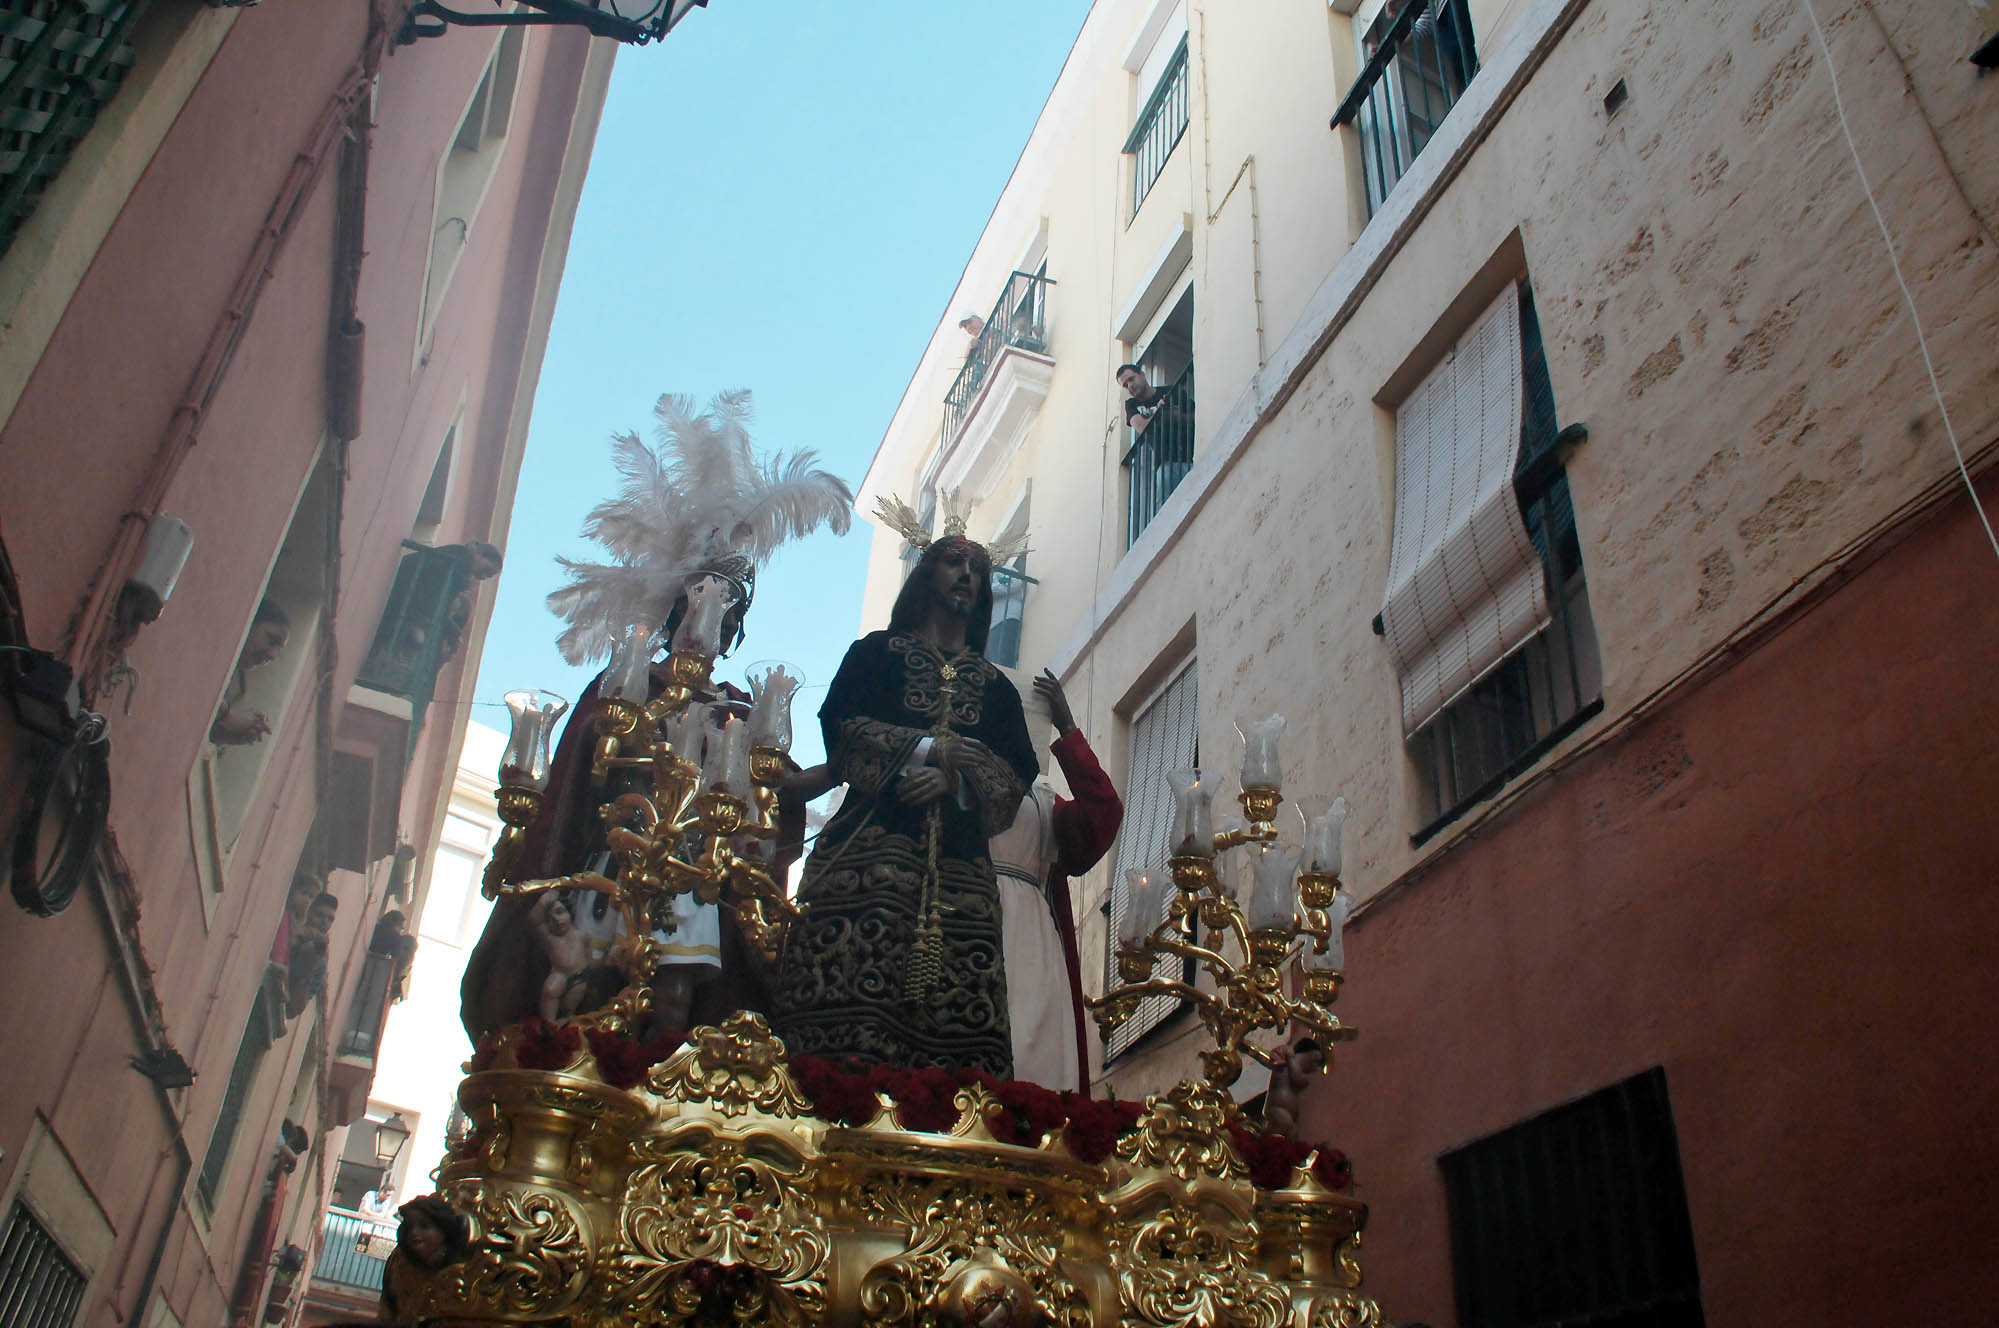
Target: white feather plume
column 696, row 494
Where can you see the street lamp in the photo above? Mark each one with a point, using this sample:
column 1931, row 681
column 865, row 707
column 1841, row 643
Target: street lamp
column 390, row 1136
column 634, row 21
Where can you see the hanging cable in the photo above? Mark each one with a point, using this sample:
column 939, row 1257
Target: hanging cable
column 1895, row 265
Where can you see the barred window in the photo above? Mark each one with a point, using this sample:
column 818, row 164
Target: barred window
column 1576, row 1218
column 39, row 1285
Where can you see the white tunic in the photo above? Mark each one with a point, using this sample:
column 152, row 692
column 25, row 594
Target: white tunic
column 1037, row 979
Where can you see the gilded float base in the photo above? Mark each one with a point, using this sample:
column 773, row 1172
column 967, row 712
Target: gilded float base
column 711, row 1194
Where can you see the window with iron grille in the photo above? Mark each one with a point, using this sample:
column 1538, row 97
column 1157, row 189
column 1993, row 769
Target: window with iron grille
column 1164, row 737
column 61, row 62
column 1576, row 1218
column 1159, row 456
column 1161, row 122
column 1417, row 55
column 39, row 1285
column 266, row 1023
column 1553, row 683
column 1009, row 607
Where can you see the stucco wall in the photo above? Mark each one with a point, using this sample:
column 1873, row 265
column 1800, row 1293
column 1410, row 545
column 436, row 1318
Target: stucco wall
column 95, row 407
column 1778, row 888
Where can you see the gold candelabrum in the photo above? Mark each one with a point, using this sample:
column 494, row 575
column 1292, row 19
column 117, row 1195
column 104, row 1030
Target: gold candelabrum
column 694, row 810
column 710, row 1188
column 1245, row 948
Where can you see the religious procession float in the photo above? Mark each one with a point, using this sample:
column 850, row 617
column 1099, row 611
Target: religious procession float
column 699, row 1099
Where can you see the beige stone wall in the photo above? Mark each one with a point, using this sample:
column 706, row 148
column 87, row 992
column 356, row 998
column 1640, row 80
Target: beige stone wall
column 1718, row 309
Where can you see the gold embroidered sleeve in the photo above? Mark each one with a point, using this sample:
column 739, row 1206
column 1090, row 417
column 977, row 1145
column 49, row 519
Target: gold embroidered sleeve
column 871, row 753
column 996, row 786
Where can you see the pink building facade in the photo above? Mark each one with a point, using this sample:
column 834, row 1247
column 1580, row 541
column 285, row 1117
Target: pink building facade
column 284, row 284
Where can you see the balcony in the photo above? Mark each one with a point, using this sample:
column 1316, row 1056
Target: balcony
column 352, row 1073
column 999, row 391
column 1161, row 122
column 352, row 1252
column 1420, row 56
column 416, row 635
column 1159, row 458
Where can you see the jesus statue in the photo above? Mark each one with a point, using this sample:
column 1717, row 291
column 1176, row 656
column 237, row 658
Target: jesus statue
column 898, row 956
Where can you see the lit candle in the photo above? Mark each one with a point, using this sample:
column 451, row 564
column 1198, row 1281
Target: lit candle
column 727, row 766
column 629, row 677
column 1260, row 765
column 1322, row 839
column 1273, row 895
column 700, row 631
column 1193, row 832
column 770, row 718
column 687, row 732
column 525, row 763
column 1141, row 909
column 1334, row 960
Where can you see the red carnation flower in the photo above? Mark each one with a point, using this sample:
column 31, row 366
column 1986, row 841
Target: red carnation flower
column 547, row 1046
column 1333, row 1169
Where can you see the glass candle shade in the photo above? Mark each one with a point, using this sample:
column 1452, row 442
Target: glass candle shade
column 770, row 715
column 727, row 766
column 630, row 676
column 1273, row 892
column 708, row 600
column 1141, row 909
column 1261, row 767
column 1334, row 960
column 1322, row 839
column 1193, row 834
column 687, row 732
column 534, row 712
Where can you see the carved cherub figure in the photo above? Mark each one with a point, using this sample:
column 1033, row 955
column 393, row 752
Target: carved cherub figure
column 568, row 953
column 1290, row 1076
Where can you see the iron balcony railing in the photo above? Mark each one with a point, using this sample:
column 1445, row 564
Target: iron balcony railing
column 1417, row 67
column 347, row 1255
column 1020, row 318
column 370, row 1008
column 417, row 634
column 1160, row 124
column 60, row 63
column 1159, row 457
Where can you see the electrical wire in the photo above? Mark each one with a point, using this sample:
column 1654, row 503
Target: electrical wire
column 1895, row 265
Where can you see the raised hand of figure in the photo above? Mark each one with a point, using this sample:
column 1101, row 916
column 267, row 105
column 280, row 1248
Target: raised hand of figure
column 922, row 787
column 1049, row 689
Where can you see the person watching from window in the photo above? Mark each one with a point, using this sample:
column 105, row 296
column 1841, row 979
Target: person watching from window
column 1145, row 403
column 235, row 724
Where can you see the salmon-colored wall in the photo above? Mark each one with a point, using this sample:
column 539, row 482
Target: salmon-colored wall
column 1779, row 887
column 72, row 455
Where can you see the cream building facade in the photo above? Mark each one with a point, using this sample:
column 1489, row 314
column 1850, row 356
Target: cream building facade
column 1565, row 466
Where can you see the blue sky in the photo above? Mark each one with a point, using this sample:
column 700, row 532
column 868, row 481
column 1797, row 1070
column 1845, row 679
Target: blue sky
column 782, row 197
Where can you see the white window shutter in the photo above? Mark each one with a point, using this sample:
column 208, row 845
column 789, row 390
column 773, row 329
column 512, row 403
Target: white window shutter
column 1465, row 587
column 1163, row 738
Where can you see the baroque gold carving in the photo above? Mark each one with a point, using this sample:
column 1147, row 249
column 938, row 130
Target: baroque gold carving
column 732, row 1068
column 1180, row 1267
column 727, row 1204
column 953, row 1227
column 1343, row 1309
column 529, row 1256
column 1186, row 1133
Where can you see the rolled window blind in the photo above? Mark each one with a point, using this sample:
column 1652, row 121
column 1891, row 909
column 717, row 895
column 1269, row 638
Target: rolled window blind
column 1465, row 587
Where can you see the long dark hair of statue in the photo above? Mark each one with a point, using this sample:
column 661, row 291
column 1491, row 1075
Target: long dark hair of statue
column 912, row 603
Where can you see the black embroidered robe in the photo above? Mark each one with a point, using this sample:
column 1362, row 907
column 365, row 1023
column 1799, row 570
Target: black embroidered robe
column 843, row 985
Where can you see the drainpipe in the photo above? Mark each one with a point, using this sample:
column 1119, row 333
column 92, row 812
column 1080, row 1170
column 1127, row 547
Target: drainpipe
column 88, row 629
column 121, row 916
